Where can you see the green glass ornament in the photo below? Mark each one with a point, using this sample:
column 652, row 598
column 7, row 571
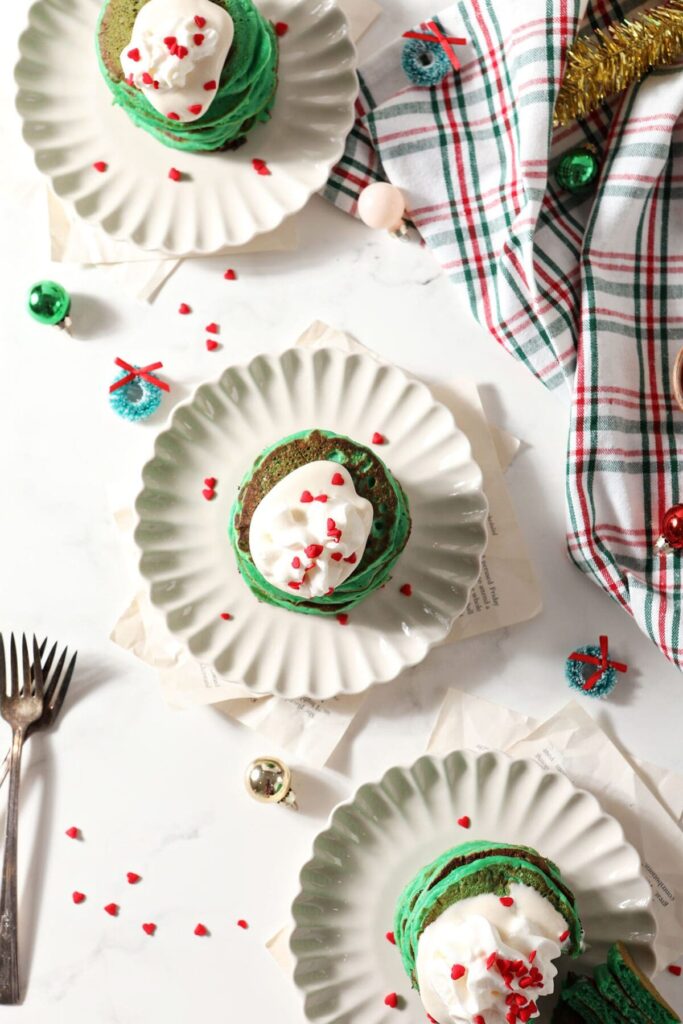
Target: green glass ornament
column 578, row 170
column 49, row 303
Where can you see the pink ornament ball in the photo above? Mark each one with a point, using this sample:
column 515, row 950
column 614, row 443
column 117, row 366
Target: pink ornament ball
column 382, row 206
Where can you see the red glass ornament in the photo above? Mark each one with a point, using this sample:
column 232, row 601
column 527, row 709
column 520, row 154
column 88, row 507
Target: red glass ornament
column 671, row 537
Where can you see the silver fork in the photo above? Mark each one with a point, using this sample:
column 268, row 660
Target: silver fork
column 21, row 706
column 56, row 689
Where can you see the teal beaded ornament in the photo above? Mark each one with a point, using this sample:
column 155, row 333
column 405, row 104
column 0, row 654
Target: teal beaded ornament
column 49, row 303
column 578, row 170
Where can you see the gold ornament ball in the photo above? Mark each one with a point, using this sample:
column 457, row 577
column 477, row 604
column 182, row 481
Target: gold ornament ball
column 269, row 781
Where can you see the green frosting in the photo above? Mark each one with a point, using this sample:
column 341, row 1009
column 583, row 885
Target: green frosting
column 245, row 94
column 470, row 870
column 610, row 989
column 585, row 998
column 638, row 988
column 372, row 570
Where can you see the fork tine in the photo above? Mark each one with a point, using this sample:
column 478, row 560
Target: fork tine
column 58, row 670
column 26, row 666
column 56, row 705
column 52, row 684
column 3, row 669
column 37, row 670
column 14, row 670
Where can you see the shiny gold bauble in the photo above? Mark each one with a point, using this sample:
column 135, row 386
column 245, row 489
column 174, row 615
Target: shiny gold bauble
column 269, row 781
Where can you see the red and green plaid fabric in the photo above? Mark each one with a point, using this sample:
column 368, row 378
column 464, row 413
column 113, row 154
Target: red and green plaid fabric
column 586, row 291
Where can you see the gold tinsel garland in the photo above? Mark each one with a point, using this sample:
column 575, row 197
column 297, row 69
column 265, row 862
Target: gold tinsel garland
column 611, row 60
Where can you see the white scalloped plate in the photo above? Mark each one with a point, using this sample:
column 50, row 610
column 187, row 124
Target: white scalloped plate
column 377, row 841
column 190, row 565
column 70, row 122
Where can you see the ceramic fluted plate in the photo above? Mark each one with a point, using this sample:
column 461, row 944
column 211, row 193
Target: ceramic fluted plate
column 378, row 841
column 186, row 554
column 70, row 122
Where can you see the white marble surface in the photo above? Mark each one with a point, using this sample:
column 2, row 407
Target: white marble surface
column 160, row 792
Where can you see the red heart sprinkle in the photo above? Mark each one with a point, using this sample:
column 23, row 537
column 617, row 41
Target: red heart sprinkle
column 133, row 877
column 406, row 590
column 336, row 556
column 147, row 78
column 201, row 929
column 532, row 956
column 156, row 84
column 149, row 928
column 564, row 936
column 134, row 54
column 170, row 41
column 457, row 971
column 490, row 961
column 174, row 174
column 306, row 497
column 173, row 117
column 331, row 525
column 296, row 562
column 294, row 584
column 199, row 21
column 378, row 438
column 212, row 328
column 507, row 901
column 675, row 969
column 390, row 937
column 195, row 108
column 209, row 493
column 391, row 1000
column 211, row 482
column 260, row 166
column 173, row 49
column 112, row 909
column 322, row 498
column 431, row 1019
column 211, row 345
column 342, row 617
column 184, row 309
column 78, row 897
column 198, row 39
column 131, row 81
column 73, row 832
column 230, row 275
column 338, row 480
column 478, row 1019
column 464, row 822
column 210, row 86
column 329, row 591
column 351, row 559
column 242, row 923
column 181, row 51
column 281, row 28
column 100, row 166
column 313, row 550
column 226, row 616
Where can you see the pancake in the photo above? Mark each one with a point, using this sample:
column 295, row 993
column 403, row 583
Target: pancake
column 372, row 480
column 471, row 869
column 246, row 87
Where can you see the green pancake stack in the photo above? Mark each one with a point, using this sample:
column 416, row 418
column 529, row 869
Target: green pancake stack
column 246, row 89
column 373, row 481
column 618, row 993
column 470, row 870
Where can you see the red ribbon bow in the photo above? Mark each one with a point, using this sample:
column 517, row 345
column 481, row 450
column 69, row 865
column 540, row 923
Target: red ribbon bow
column 435, row 35
column 602, row 663
column 143, row 371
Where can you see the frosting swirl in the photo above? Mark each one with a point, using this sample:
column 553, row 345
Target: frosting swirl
column 177, row 49
column 309, row 532
column 486, row 962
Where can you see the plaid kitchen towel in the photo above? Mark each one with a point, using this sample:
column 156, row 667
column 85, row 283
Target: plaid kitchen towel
column 586, row 290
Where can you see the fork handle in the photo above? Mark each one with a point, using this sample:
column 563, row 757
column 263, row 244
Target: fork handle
column 9, row 951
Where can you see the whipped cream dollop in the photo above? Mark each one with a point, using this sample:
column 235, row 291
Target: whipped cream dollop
column 479, row 957
column 176, row 55
column 309, row 532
